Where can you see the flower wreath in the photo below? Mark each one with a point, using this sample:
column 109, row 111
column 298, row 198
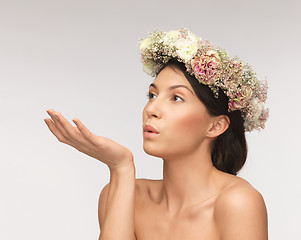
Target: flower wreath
column 212, row 67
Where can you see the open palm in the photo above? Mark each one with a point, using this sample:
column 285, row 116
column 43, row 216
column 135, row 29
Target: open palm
column 79, row 137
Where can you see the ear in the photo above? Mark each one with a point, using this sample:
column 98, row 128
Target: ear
column 219, row 125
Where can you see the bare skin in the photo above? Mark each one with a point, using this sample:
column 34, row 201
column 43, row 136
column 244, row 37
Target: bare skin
column 194, row 200
column 101, row 148
column 198, row 221
column 119, row 210
column 189, row 202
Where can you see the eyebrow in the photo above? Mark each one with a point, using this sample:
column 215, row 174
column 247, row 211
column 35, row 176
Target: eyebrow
column 172, row 87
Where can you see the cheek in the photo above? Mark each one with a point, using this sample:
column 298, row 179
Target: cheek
column 189, row 125
column 184, row 132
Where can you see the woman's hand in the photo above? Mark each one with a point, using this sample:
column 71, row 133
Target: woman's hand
column 104, row 149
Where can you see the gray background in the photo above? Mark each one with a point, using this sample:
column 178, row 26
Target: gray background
column 81, row 58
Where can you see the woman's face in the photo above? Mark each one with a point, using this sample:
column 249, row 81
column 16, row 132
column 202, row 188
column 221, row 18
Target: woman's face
column 176, row 113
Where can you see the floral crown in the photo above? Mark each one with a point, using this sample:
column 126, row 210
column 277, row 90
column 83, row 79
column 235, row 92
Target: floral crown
column 212, row 67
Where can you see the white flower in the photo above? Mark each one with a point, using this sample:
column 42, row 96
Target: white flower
column 186, row 49
column 171, row 37
column 143, row 44
column 193, row 37
column 214, row 53
column 150, row 68
column 258, row 107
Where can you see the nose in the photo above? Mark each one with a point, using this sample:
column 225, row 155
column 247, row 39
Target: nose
column 153, row 109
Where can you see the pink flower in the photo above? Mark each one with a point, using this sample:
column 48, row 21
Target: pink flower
column 206, row 67
column 240, row 100
column 236, row 104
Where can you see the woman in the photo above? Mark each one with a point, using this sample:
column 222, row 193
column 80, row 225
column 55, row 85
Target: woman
column 200, row 105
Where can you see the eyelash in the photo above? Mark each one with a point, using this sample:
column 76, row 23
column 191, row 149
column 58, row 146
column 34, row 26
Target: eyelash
column 149, row 95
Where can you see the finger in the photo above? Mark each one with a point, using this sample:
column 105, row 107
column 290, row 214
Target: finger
column 55, row 119
column 91, row 137
column 72, row 133
column 81, row 145
column 56, row 132
column 65, row 124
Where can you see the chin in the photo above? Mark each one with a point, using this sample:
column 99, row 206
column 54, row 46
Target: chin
column 163, row 152
column 153, row 151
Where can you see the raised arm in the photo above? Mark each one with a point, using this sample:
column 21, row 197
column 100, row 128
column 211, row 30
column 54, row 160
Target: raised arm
column 116, row 202
column 116, row 206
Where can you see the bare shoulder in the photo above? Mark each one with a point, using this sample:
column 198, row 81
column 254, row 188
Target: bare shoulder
column 142, row 181
column 147, row 189
column 238, row 194
column 102, row 202
column 142, row 184
column 240, row 212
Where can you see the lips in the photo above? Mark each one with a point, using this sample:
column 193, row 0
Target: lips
column 149, row 128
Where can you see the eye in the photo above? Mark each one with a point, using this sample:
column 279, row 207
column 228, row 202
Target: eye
column 150, row 95
column 176, row 96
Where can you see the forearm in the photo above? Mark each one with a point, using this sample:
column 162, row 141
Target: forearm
column 119, row 215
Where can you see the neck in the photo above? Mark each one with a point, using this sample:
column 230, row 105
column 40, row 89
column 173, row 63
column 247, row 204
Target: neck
column 188, row 180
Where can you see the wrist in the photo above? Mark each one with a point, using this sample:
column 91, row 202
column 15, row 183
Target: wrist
column 123, row 169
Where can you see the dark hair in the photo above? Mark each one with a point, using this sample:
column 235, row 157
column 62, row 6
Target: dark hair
column 229, row 151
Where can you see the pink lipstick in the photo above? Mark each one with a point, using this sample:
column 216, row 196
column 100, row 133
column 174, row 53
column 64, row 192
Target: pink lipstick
column 149, row 131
